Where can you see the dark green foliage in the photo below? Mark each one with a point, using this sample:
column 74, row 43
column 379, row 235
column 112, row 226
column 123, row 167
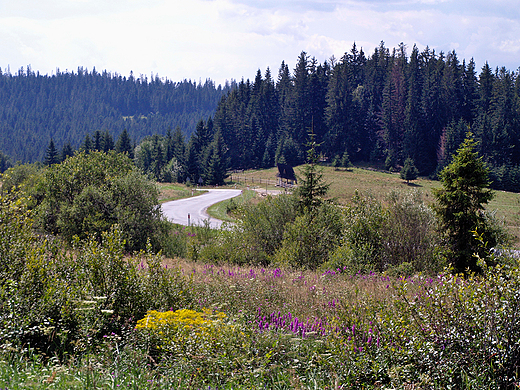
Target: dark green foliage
column 460, row 206
column 5, row 162
column 215, row 162
column 66, row 151
column 51, row 154
column 67, row 106
column 312, row 188
column 124, row 144
column 88, row 193
column 409, row 171
column 381, row 108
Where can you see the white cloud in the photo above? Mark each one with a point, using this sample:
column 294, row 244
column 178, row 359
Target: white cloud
column 224, row 39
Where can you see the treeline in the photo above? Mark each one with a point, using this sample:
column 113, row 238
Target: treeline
column 67, row 106
column 382, row 108
column 168, row 158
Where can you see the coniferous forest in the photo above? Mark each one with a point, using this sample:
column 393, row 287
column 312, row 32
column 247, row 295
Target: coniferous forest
column 66, row 106
column 382, row 108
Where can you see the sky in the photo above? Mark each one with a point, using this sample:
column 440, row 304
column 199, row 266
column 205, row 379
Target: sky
column 231, row 39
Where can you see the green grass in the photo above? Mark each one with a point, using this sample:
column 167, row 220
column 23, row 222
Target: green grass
column 175, row 191
column 220, row 210
column 345, row 182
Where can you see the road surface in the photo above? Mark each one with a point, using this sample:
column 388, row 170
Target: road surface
column 178, row 210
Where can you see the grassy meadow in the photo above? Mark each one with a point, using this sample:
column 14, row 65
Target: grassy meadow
column 345, row 182
column 93, row 316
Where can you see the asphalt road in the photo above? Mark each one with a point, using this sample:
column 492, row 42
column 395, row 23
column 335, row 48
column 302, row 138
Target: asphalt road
column 178, row 210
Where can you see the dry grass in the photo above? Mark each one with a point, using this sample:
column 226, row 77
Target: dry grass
column 305, row 294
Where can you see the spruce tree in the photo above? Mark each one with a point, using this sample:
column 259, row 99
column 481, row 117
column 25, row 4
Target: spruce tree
column 215, row 164
column 124, row 144
column 409, row 171
column 312, row 188
column 460, row 206
column 87, row 144
column 66, row 151
column 51, row 154
column 108, row 141
column 98, row 141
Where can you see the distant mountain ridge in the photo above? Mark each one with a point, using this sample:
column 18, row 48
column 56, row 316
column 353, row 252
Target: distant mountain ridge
column 67, row 106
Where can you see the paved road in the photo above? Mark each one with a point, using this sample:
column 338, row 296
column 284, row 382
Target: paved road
column 177, row 210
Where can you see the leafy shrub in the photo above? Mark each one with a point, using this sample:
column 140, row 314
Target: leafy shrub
column 380, row 237
column 23, row 180
column 16, row 237
column 311, row 237
column 88, row 193
column 459, row 332
column 55, row 301
column 257, row 234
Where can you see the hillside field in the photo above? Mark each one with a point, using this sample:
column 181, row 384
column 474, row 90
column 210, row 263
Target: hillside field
column 345, row 182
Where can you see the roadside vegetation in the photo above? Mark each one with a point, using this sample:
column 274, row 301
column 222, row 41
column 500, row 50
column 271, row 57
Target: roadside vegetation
column 300, row 292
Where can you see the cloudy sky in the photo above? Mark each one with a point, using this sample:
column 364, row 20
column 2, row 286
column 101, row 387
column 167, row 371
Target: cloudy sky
column 231, row 39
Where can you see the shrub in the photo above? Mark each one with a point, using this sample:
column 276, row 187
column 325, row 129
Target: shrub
column 55, row 302
column 379, row 238
column 257, row 234
column 88, row 193
column 458, row 332
column 311, row 237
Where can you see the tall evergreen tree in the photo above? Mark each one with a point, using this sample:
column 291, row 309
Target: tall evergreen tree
column 66, row 151
column 51, row 154
column 215, row 164
column 312, row 188
column 124, row 144
column 192, row 162
column 394, row 108
column 108, row 141
column 87, row 145
column 98, row 141
column 460, row 206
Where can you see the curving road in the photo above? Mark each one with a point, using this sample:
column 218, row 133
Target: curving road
column 177, row 210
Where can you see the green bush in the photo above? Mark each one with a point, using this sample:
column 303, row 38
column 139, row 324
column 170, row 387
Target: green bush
column 88, row 193
column 383, row 237
column 308, row 241
column 257, row 234
column 55, row 301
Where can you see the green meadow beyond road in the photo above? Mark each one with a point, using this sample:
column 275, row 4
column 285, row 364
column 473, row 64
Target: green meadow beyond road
column 193, row 210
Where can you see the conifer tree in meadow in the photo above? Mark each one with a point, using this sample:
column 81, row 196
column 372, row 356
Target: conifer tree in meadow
column 409, row 171
column 460, row 206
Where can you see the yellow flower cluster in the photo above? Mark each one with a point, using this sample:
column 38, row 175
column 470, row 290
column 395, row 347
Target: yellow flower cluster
column 185, row 318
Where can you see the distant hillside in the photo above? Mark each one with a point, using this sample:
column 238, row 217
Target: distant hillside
column 36, row 108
